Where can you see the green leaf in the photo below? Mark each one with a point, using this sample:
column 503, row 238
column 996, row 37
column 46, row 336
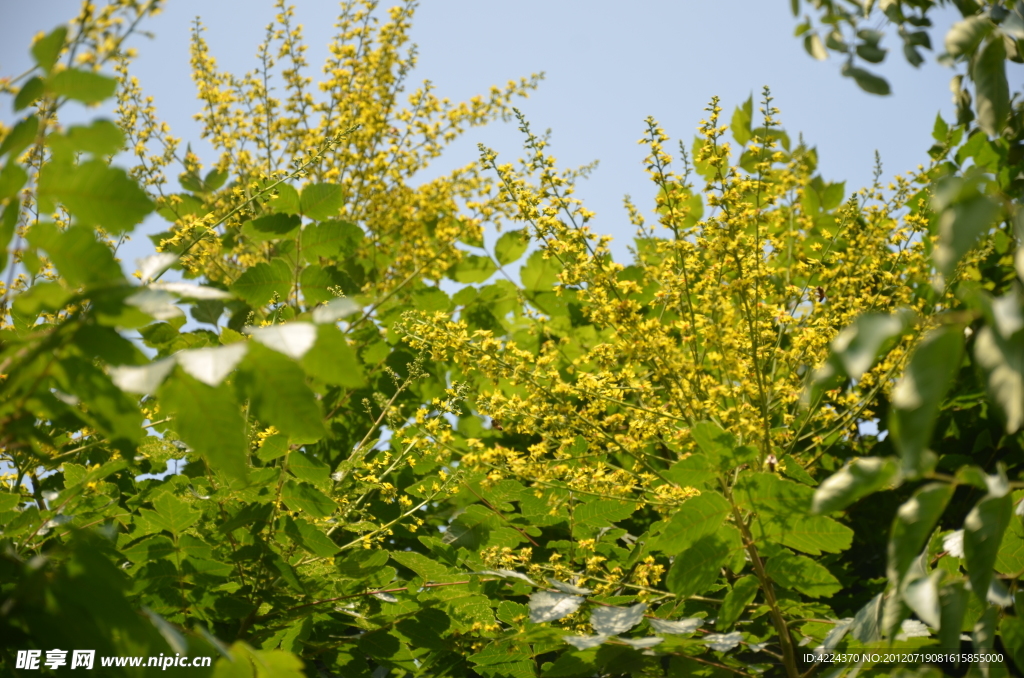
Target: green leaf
column 1010, row 559
column 546, row 606
column 358, row 564
column 96, row 194
column 286, row 201
column 698, row 517
column 19, row 138
column 857, row 479
column 912, row 527
column 867, row 81
column 210, row 421
column 46, row 51
column 966, row 213
column 172, row 514
column 602, row 513
column 305, row 497
column 965, row 36
column 333, row 360
column 740, row 125
column 855, row 349
column 783, row 515
column 736, row 601
column 917, row 396
column 274, row 447
column 431, row 299
column 101, row 138
column 84, row 86
column 272, row 227
column 278, row 393
column 952, row 607
column 317, row 285
column 308, row 468
column 8, row 222
column 540, row 273
column 983, row 532
column 321, row 201
column 29, row 93
column 992, row 93
column 12, row 179
column 511, row 245
column 1012, row 631
column 77, row 255
column 472, row 268
column 800, row 573
column 330, row 240
column 1002, row 359
column 871, row 53
column 696, row 569
column 310, row 538
column 258, row 285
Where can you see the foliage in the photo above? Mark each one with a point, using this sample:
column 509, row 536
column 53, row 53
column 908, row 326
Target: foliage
column 570, row 468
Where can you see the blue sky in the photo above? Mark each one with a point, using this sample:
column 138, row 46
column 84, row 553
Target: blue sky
column 608, row 65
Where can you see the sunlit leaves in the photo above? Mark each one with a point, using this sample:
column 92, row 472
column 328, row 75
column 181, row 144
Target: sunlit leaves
column 546, row 606
column 695, row 570
column 855, row 480
column 983, row 532
column 47, row 49
column 78, row 256
column 263, row 282
column 210, row 421
column 278, row 394
column 321, row 201
column 912, row 526
column 96, row 194
column 84, row 86
column 803, row 574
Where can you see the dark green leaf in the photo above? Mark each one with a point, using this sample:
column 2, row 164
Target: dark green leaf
column 33, row 88
column 272, row 227
column 1002, row 359
column 46, row 50
column 952, row 606
column 310, row 538
column 867, row 81
column 321, row 201
column 84, row 86
column 305, row 497
column 735, row 602
column 172, row 514
column 800, row 573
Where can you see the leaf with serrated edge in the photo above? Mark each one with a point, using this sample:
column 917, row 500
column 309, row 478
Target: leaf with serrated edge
column 677, row 627
column 616, row 620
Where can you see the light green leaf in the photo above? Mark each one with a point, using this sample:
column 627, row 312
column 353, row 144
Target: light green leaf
column 47, row 50
column 917, row 396
column 286, row 201
column 857, row 479
column 96, row 194
column 333, row 240
column 19, row 138
column 539, row 273
column 511, row 245
column 736, row 601
column 983, row 532
column 77, row 255
column 333, row 360
column 84, row 86
column 1003, row 362
column 1010, row 559
column 992, row 93
column 965, row 36
column 304, row 497
column 603, row 512
column 696, row 569
column 29, row 93
column 334, row 310
column 143, row 379
column 783, row 515
column 278, row 393
column 12, row 179
column 697, row 517
column 967, row 212
column 800, row 573
column 310, row 538
column 913, row 525
column 317, row 285
column 258, row 285
column 308, row 468
column 321, row 201
column 172, row 514
column 101, row 138
column 1012, row 631
column 472, row 268
column 210, row 421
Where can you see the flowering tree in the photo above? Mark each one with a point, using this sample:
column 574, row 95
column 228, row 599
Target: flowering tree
column 568, row 467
